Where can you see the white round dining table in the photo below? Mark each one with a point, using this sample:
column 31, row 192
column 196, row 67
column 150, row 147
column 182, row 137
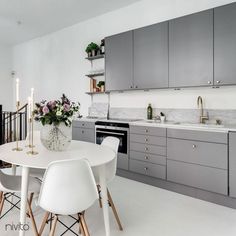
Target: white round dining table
column 97, row 155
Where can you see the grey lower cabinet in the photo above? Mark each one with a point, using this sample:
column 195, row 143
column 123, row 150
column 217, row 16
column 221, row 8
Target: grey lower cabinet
column 83, row 131
column 224, row 45
column 198, row 163
column 191, row 50
column 119, row 61
column 148, row 151
column 151, row 56
column 232, row 164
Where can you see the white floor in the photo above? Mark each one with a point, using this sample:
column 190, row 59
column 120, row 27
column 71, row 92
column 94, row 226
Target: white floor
column 145, row 210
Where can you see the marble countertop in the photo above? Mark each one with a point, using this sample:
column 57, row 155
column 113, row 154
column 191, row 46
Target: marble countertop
column 172, row 124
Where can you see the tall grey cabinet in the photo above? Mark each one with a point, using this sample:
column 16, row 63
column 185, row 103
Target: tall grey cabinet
column 225, row 45
column 232, row 164
column 191, row 50
column 119, row 61
column 151, row 56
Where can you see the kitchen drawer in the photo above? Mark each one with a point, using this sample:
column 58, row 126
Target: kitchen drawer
column 147, row 139
column 149, row 169
column 81, row 134
column 148, row 130
column 122, row 162
column 207, row 178
column 84, row 124
column 202, row 153
column 206, row 136
column 156, row 159
column 154, row 149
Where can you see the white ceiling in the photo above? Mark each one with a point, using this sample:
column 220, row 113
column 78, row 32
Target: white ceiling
column 22, row 20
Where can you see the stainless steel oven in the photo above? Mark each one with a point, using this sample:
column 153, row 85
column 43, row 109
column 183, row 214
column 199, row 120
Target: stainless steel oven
column 115, row 129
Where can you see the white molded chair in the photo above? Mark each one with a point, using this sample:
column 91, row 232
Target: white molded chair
column 11, row 184
column 69, row 193
column 111, row 167
column 35, row 172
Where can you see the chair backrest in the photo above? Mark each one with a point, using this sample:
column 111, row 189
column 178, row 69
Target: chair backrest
column 68, row 187
column 5, row 182
column 113, row 143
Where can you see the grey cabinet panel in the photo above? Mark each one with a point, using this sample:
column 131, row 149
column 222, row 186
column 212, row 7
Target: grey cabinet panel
column 207, row 178
column 83, row 124
column 191, row 50
column 122, row 161
column 208, row 154
column 206, row 136
column 140, row 156
column 151, row 56
column 154, row 149
column 119, row 61
column 148, row 130
column 224, row 45
column 81, row 134
column 147, row 139
column 149, row 169
column 232, row 164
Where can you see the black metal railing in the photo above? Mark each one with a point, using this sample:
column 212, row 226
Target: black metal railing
column 8, row 125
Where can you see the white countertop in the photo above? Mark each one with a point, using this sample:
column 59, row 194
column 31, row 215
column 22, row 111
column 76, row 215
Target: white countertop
column 171, row 124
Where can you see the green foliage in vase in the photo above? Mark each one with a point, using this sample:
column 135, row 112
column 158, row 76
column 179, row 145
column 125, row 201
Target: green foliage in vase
column 56, row 111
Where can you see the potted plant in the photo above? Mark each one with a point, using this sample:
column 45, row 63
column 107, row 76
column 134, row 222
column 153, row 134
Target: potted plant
column 88, row 50
column 101, row 85
column 56, row 119
column 94, row 49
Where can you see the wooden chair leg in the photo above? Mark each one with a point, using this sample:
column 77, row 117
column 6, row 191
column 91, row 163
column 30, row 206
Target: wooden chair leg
column 52, row 232
column 85, row 227
column 2, row 203
column 30, row 203
column 1, row 194
column 81, row 229
column 44, row 223
column 32, row 218
column 100, row 200
column 114, row 210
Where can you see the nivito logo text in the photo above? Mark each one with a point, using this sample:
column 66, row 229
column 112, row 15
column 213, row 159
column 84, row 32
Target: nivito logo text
column 16, row 227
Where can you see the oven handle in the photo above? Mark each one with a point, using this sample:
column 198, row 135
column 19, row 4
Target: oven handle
column 104, row 132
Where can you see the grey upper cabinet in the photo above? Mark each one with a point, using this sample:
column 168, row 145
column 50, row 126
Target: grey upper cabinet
column 191, row 50
column 225, row 45
column 151, row 56
column 119, row 61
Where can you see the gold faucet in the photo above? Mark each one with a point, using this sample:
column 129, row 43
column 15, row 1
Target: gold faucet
column 202, row 117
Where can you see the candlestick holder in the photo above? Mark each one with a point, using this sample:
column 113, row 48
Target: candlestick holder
column 29, row 134
column 17, row 148
column 31, row 144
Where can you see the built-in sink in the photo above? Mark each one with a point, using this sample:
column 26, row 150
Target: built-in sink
column 199, row 125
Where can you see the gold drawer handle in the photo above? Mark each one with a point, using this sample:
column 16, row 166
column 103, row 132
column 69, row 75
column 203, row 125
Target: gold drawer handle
column 146, row 158
column 146, row 130
column 145, row 168
column 146, row 149
column 146, row 140
column 194, row 146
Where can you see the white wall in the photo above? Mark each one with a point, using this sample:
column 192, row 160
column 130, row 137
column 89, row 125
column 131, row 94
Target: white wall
column 55, row 63
column 5, row 77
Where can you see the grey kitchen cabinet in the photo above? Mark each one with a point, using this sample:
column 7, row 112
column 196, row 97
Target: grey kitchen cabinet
column 83, row 131
column 224, row 45
column 232, row 164
column 119, row 61
column 198, row 159
column 202, row 177
column 191, row 50
column 148, row 151
column 151, row 56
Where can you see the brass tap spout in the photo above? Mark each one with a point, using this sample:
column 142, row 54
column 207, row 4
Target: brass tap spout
column 200, row 105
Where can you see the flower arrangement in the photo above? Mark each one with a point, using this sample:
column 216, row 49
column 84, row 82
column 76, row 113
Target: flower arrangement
column 56, row 112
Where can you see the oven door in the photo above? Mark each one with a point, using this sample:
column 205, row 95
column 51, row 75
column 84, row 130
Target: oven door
column 122, row 135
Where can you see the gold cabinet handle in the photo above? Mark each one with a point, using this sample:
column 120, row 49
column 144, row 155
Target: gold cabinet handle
column 145, row 168
column 194, row 146
column 146, row 158
column 146, row 140
column 146, row 149
column 146, row 130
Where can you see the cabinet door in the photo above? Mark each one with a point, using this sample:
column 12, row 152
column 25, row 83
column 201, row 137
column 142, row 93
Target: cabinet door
column 151, row 56
column 81, row 134
column 224, row 45
column 191, row 50
column 119, row 61
column 232, row 164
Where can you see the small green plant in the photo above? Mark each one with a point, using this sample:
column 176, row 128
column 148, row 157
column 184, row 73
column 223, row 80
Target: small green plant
column 88, row 49
column 101, row 83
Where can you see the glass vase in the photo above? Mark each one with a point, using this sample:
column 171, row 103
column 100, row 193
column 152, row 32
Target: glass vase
column 56, row 137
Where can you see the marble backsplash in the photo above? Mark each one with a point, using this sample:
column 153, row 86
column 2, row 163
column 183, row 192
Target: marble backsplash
column 178, row 115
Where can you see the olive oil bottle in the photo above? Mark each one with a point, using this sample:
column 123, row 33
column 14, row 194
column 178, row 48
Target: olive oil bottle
column 149, row 111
